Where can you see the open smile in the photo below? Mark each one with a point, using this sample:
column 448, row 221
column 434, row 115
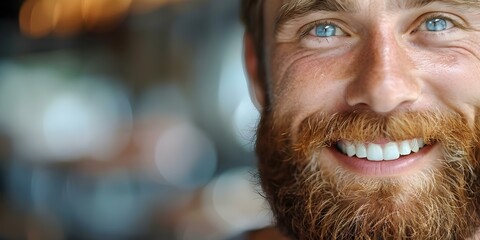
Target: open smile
column 387, row 151
column 384, row 158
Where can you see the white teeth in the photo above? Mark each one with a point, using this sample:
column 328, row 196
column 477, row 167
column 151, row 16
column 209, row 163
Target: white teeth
column 350, row 149
column 390, row 151
column 377, row 152
column 374, row 152
column 361, row 151
column 414, row 145
column 421, row 143
column 404, row 147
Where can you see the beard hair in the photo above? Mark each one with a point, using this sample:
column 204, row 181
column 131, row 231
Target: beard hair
column 312, row 201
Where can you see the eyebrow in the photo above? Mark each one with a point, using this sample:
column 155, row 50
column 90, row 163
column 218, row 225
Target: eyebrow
column 293, row 9
column 408, row 4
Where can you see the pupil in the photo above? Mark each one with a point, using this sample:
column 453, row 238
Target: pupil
column 437, row 24
column 326, row 30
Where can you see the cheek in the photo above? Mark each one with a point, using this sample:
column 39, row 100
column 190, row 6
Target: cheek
column 304, row 82
column 454, row 78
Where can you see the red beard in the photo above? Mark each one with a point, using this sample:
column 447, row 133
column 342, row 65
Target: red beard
column 312, row 201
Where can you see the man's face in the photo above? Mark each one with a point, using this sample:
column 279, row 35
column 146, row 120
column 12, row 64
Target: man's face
column 371, row 129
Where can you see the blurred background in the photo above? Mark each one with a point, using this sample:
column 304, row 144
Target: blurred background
column 125, row 119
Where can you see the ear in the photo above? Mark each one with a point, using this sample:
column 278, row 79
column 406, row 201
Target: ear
column 255, row 84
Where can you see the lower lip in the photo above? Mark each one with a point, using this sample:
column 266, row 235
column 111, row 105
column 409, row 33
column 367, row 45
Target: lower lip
column 403, row 165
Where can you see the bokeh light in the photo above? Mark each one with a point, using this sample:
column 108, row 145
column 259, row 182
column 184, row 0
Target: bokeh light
column 126, row 119
column 69, row 127
column 37, row 18
column 53, row 119
column 24, row 93
column 185, row 156
column 97, row 13
column 40, row 18
column 231, row 205
column 235, row 198
column 67, row 19
column 92, row 119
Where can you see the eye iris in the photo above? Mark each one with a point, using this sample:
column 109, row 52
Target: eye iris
column 436, row 24
column 325, row 30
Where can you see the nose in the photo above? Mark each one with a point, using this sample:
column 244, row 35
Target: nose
column 385, row 78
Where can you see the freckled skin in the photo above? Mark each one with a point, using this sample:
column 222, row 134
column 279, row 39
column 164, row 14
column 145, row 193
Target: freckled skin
column 384, row 61
column 381, row 66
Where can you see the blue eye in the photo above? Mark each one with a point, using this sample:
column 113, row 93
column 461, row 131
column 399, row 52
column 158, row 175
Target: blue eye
column 437, row 24
column 326, row 30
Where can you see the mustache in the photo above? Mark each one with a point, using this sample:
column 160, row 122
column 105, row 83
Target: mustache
column 325, row 129
column 314, row 202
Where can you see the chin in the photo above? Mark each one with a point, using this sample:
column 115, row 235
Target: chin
column 329, row 185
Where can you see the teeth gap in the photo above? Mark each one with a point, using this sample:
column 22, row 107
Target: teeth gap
column 376, row 152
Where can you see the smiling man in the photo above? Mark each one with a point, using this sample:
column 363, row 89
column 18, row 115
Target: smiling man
column 370, row 116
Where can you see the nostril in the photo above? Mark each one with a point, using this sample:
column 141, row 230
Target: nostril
column 382, row 95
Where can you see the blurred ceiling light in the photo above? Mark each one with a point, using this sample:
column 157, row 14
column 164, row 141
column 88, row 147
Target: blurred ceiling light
column 36, row 18
column 100, row 13
column 67, row 18
column 40, row 18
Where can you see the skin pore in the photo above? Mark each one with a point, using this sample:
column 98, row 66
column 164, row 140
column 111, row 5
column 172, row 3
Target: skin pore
column 369, row 73
column 384, row 59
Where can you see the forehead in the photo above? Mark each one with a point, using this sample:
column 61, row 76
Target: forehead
column 390, row 3
column 354, row 5
column 277, row 12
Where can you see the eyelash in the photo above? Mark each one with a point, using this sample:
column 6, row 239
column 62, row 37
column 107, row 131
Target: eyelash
column 305, row 30
column 428, row 17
